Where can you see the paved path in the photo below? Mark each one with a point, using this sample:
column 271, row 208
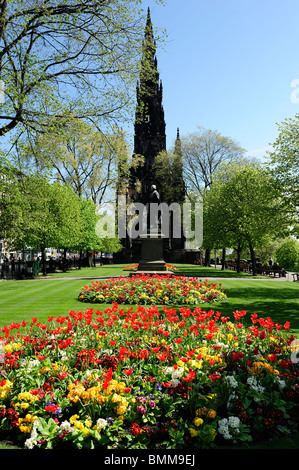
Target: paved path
column 265, row 278
column 288, row 277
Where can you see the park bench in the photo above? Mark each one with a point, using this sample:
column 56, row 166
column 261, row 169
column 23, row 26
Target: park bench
column 274, row 272
column 295, row 277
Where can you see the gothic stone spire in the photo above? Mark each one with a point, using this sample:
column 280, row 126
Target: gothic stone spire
column 150, row 137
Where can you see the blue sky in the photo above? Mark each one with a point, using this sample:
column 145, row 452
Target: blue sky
column 228, row 65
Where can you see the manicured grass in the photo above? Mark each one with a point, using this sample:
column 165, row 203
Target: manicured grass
column 276, row 299
column 99, row 271
column 21, row 300
column 203, row 271
column 117, row 270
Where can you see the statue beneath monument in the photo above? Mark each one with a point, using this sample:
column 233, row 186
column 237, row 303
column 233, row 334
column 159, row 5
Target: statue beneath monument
column 153, row 217
column 152, row 261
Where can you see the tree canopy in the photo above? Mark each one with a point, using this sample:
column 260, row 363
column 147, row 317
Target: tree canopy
column 62, row 57
column 203, row 152
column 284, row 163
column 243, row 206
column 78, row 155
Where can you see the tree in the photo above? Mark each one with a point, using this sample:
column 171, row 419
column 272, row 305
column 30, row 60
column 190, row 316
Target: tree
column 219, row 228
column 251, row 207
column 284, row 163
column 167, row 169
column 89, row 239
column 287, row 254
column 203, row 152
column 62, row 57
column 50, row 215
column 78, row 155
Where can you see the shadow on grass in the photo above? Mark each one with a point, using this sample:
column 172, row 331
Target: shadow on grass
column 210, row 272
column 281, row 304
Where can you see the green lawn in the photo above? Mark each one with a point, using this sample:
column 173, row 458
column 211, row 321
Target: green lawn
column 117, row 270
column 21, row 300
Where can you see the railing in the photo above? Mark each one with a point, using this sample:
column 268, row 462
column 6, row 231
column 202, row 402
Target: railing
column 260, row 269
column 21, row 269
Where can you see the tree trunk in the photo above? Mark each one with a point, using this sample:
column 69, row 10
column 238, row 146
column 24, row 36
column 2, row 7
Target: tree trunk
column 252, row 255
column 207, row 257
column 44, row 260
column 223, row 259
column 89, row 259
column 64, row 260
column 238, row 258
column 80, row 260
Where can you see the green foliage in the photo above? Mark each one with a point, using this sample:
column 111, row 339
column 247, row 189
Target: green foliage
column 287, row 254
column 284, row 162
column 77, row 154
column 243, row 207
column 168, row 169
column 50, row 214
column 87, row 68
column 90, row 239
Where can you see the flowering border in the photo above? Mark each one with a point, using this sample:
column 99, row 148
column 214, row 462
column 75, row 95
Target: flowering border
column 148, row 378
column 157, row 289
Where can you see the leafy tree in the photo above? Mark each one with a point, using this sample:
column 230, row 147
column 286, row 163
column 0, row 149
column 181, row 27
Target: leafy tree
column 203, row 153
column 89, row 239
column 220, row 231
column 61, row 57
column 50, row 215
column 168, row 170
column 248, row 205
column 287, row 254
column 284, row 163
column 78, row 155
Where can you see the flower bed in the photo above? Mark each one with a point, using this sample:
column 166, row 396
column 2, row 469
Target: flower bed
column 152, row 290
column 147, row 378
column 134, row 267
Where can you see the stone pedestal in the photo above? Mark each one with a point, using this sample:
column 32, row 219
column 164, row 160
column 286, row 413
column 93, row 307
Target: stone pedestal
column 152, row 261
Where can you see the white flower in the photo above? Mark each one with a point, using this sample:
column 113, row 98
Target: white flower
column 281, row 383
column 234, row 421
column 102, row 423
column 30, row 443
column 175, row 382
column 252, row 381
column 177, row 373
column 232, row 381
column 66, row 427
